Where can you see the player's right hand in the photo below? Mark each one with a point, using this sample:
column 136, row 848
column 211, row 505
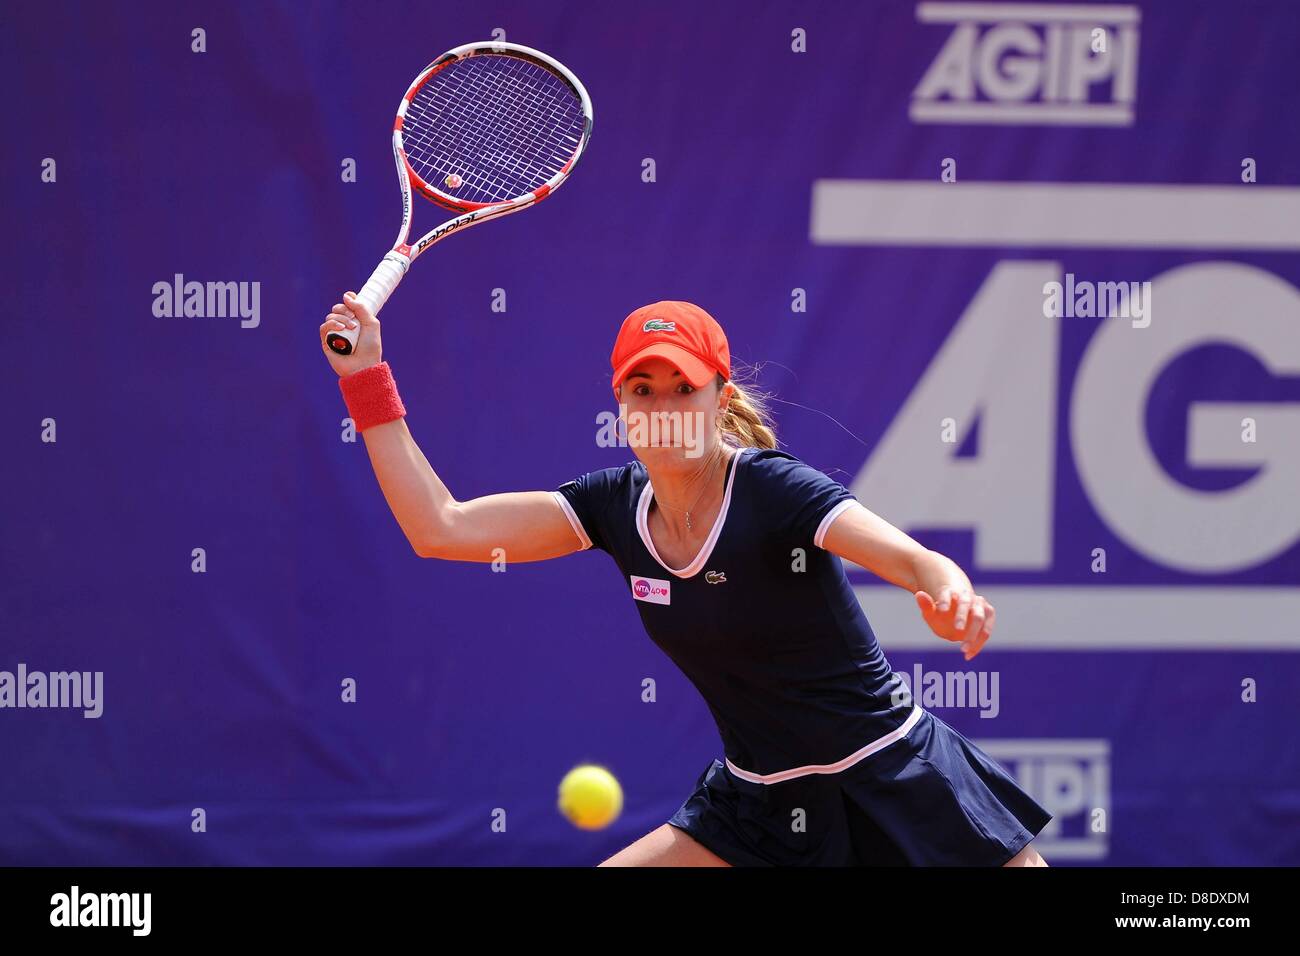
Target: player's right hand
column 351, row 314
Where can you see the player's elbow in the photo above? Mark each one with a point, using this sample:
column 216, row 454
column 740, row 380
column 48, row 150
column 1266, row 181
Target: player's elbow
column 422, row 548
column 432, row 548
column 437, row 537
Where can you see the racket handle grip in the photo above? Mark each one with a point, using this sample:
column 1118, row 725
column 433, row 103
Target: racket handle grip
column 373, row 295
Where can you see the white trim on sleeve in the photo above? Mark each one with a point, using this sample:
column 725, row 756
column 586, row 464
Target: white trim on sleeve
column 573, row 519
column 831, row 515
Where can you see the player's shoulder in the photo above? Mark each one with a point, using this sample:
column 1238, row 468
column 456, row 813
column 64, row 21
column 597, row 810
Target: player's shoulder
column 768, row 457
column 780, row 476
column 628, row 473
column 770, row 465
column 609, row 482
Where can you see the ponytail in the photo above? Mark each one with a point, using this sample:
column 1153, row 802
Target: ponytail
column 747, row 421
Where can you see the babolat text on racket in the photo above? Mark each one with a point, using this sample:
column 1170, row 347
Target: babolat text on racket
column 485, row 130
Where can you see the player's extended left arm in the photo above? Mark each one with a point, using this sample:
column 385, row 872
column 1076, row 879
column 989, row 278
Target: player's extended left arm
column 944, row 594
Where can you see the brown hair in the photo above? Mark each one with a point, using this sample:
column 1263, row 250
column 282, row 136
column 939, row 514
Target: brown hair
column 747, row 419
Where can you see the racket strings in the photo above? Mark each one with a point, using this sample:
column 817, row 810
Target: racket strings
column 504, row 125
column 501, row 169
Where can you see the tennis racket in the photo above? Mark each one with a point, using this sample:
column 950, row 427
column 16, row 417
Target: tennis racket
column 485, row 130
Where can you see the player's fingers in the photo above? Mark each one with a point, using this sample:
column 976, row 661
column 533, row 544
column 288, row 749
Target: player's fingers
column 925, row 603
column 944, row 599
column 963, row 608
column 974, row 620
column 344, row 314
column 972, row 646
column 328, row 326
column 359, row 309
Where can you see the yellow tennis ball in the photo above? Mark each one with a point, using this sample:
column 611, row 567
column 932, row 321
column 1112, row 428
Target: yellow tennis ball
column 590, row 797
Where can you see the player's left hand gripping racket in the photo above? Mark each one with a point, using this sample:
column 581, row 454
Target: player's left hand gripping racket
column 486, row 130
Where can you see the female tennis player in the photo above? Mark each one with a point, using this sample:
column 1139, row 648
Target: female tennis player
column 731, row 550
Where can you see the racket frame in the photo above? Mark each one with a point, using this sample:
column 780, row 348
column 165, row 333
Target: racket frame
column 398, row 260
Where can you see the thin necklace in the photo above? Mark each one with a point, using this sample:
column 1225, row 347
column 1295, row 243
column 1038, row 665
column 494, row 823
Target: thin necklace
column 689, row 526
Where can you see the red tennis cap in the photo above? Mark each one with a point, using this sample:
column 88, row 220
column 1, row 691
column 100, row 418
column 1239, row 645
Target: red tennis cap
column 680, row 332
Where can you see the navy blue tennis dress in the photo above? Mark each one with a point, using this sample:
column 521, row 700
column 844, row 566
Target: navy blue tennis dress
column 827, row 762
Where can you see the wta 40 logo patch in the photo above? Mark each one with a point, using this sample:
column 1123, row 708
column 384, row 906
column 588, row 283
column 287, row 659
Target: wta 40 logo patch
column 650, row 590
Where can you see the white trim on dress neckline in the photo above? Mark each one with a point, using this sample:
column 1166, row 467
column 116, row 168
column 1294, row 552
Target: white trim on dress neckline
column 643, row 526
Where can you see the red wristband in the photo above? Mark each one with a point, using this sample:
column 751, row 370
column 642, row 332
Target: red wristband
column 371, row 396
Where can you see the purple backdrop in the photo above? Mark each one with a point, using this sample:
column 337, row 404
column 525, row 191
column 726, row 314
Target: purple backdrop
column 1121, row 692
